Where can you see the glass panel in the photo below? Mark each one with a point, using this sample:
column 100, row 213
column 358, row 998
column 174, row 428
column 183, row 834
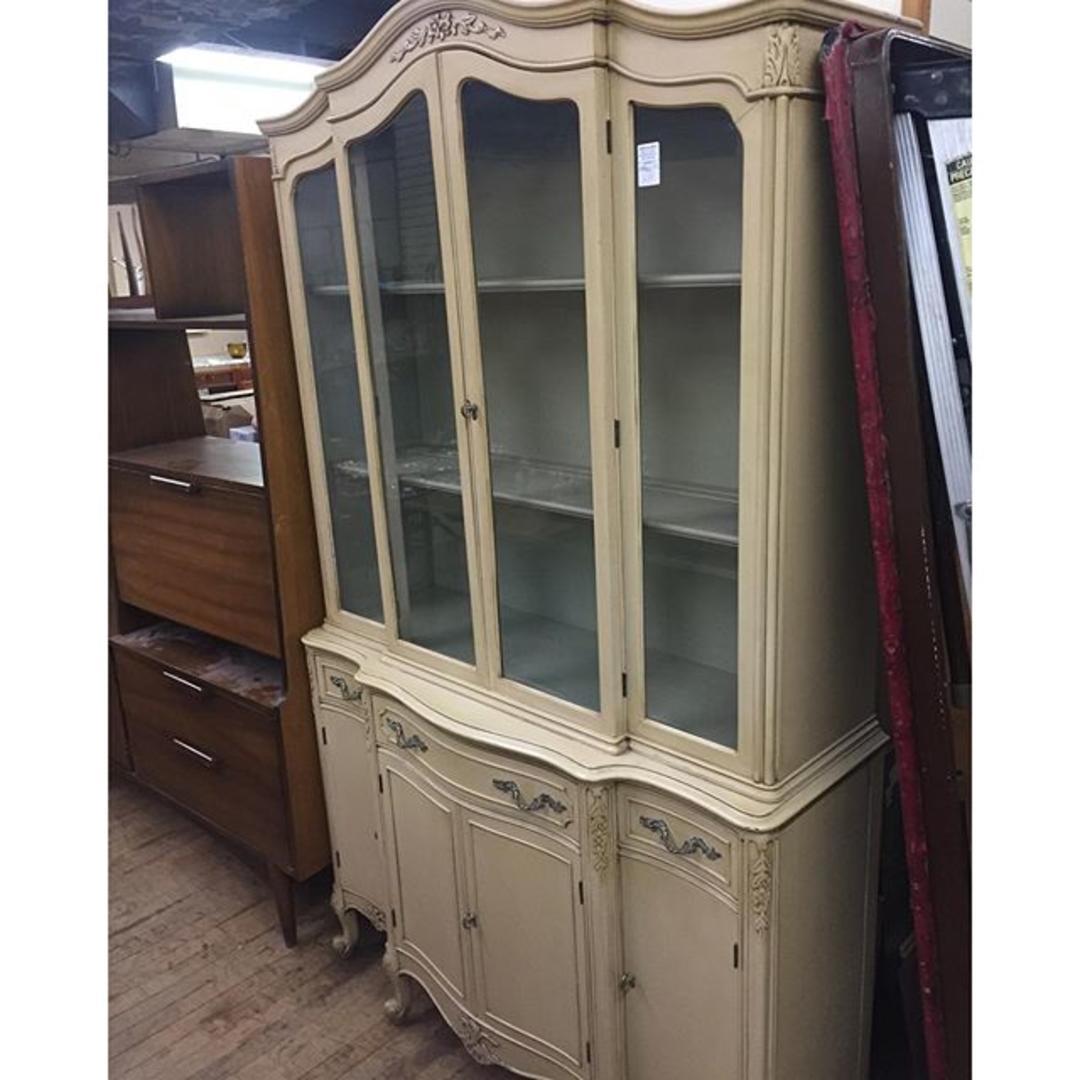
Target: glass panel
column 333, row 359
column 393, row 185
column 689, row 227
column 524, row 172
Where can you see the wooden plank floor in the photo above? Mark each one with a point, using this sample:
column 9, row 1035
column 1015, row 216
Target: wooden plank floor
column 201, row 986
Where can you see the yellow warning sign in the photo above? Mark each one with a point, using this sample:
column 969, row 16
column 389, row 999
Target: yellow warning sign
column 959, row 173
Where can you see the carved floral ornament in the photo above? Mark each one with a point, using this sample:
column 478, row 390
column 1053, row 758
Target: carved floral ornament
column 442, row 26
column 761, row 877
column 782, row 57
column 482, row 1046
column 599, row 829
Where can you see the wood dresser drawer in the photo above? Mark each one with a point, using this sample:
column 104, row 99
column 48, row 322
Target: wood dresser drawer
column 659, row 827
column 215, row 755
column 195, row 551
column 491, row 779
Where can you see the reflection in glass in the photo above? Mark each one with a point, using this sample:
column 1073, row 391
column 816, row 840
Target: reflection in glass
column 393, row 186
column 524, row 176
column 333, row 358
column 689, row 228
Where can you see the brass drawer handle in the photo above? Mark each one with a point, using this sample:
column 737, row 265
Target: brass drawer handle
column 470, row 410
column 695, row 845
column 183, row 682
column 470, row 920
column 347, row 692
column 413, row 742
column 206, row 760
column 179, row 485
column 543, row 801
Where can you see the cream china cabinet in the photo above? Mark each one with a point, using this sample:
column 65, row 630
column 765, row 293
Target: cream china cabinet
column 595, row 690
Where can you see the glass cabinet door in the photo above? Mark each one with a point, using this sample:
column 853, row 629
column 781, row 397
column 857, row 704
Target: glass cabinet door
column 333, row 361
column 688, row 210
column 523, row 174
column 393, row 190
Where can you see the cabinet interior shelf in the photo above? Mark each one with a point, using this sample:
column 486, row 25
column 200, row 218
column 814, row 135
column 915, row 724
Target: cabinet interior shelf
column 511, row 285
column 697, row 514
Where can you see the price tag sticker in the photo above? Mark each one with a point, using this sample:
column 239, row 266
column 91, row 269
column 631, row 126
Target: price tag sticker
column 648, row 164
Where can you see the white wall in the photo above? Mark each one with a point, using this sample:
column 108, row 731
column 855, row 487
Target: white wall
column 950, row 20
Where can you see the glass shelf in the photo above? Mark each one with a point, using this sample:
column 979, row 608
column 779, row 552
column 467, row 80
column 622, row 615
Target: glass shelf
column 699, row 514
column 492, row 285
column 697, row 698
column 690, row 281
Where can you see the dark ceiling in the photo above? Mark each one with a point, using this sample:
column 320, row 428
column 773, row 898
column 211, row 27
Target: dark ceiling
column 144, row 29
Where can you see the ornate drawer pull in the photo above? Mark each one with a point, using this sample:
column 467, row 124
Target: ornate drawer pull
column 627, row 981
column 470, row 921
column 347, row 692
column 543, row 801
column 413, row 742
column 695, row 845
column 204, row 759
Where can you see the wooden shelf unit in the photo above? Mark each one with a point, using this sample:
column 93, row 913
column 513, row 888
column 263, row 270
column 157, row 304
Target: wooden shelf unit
column 235, row 513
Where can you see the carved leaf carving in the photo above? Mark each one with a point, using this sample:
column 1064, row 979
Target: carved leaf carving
column 599, row 829
column 782, row 57
column 481, row 1046
column 761, row 886
column 444, row 25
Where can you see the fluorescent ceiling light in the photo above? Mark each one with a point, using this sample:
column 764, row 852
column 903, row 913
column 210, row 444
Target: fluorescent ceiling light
column 223, row 88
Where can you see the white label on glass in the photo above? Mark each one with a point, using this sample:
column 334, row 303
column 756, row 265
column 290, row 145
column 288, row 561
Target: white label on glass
column 648, row 164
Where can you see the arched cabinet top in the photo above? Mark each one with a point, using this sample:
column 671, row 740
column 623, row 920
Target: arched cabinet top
column 764, row 56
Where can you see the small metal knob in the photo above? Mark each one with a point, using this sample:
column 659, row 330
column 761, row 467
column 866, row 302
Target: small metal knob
column 470, row 410
column 469, row 921
column 627, row 981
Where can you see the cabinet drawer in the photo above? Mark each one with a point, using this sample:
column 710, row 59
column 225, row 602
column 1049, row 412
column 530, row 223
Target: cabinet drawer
column 200, row 556
column 673, row 832
column 335, row 685
column 214, row 755
column 529, row 791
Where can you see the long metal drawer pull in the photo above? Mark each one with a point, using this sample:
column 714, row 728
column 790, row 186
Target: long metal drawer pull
column 204, row 759
column 695, row 845
column 183, row 682
column 413, row 742
column 543, row 801
column 347, row 692
column 180, row 485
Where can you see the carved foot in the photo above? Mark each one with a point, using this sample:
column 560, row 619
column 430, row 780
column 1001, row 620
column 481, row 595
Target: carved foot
column 345, row 942
column 408, row 1000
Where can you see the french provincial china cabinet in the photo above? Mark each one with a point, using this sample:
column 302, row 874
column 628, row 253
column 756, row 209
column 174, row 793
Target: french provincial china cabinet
column 595, row 689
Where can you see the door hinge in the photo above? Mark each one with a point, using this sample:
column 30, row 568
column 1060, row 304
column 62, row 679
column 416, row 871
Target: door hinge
column 323, row 736
column 607, row 134
column 624, row 684
column 337, row 859
column 618, row 435
column 581, row 892
column 393, row 917
column 380, row 783
column 736, row 954
column 588, row 1052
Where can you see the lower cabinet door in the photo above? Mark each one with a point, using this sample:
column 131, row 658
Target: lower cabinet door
column 424, row 889
column 683, row 1006
column 349, row 779
column 527, row 936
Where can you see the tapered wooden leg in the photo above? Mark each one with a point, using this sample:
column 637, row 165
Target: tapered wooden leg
column 281, row 885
